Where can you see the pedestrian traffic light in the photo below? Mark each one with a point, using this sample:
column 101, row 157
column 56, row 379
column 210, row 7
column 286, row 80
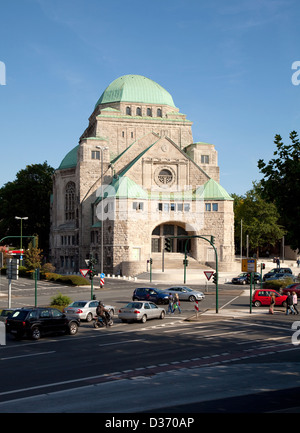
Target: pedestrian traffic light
column 215, row 278
column 168, row 244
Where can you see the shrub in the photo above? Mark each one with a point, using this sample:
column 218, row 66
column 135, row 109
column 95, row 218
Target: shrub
column 73, row 280
column 47, row 267
column 60, row 300
column 278, row 284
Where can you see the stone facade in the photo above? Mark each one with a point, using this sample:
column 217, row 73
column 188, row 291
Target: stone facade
column 156, row 183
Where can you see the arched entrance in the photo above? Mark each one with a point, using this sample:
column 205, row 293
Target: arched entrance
column 165, row 230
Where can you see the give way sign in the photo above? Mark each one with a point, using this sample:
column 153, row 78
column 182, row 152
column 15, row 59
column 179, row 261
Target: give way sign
column 208, row 274
column 84, row 272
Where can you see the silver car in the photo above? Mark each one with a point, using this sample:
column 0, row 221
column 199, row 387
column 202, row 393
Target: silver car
column 86, row 310
column 142, row 311
column 186, row 293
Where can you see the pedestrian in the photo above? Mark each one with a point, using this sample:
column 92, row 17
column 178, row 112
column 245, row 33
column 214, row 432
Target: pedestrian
column 170, row 308
column 289, row 303
column 278, row 263
column 298, row 262
column 295, row 302
column 272, row 304
column 176, row 304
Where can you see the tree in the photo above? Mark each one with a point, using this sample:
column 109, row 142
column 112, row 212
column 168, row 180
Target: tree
column 29, row 196
column 281, row 185
column 260, row 220
column 33, row 257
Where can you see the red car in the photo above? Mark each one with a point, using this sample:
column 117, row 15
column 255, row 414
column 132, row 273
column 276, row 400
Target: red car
column 292, row 288
column 263, row 297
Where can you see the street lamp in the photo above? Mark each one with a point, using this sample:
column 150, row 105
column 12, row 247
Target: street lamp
column 21, row 218
column 101, row 148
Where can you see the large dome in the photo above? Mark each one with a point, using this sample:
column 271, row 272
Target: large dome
column 135, row 88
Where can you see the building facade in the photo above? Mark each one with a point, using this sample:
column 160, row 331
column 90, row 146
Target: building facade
column 137, row 175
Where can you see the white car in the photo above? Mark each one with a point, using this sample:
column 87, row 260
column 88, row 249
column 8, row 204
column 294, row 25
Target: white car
column 86, row 310
column 139, row 310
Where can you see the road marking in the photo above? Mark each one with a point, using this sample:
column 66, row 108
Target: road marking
column 120, row 342
column 24, row 356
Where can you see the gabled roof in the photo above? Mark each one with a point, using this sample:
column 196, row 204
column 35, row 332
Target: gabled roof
column 212, row 190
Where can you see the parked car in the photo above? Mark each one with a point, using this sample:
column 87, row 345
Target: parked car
column 263, row 297
column 35, row 322
column 295, row 287
column 141, row 311
column 150, row 294
column 281, row 276
column 245, row 277
column 186, row 293
column 86, row 310
column 5, row 313
column 277, row 271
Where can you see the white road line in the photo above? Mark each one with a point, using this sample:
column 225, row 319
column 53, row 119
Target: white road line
column 24, row 356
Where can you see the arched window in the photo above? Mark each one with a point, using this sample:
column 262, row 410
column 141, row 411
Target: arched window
column 159, row 113
column 149, row 112
column 138, row 111
column 70, row 201
column 165, row 176
column 128, row 111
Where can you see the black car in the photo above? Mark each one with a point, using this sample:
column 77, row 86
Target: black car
column 5, row 313
column 150, row 294
column 34, row 322
column 245, row 278
column 274, row 271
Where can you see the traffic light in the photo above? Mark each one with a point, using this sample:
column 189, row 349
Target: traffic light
column 185, row 262
column 215, row 278
column 92, row 270
column 263, row 266
column 212, row 239
column 168, row 244
column 151, row 261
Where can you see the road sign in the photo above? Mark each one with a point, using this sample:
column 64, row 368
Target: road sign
column 208, row 274
column 84, row 272
column 248, row 265
column 101, row 282
column 102, row 275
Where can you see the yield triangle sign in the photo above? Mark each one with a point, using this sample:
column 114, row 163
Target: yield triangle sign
column 84, row 272
column 208, row 274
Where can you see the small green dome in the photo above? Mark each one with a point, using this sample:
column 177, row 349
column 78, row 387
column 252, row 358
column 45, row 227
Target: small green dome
column 70, row 160
column 135, row 88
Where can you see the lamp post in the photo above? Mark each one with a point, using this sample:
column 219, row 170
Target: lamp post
column 21, row 218
column 101, row 148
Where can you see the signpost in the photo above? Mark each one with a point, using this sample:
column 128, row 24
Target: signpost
column 102, row 275
column 84, row 272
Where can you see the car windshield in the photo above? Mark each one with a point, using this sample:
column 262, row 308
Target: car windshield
column 78, row 304
column 134, row 305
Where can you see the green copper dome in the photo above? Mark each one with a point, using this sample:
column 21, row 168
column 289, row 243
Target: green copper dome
column 135, row 88
column 70, row 160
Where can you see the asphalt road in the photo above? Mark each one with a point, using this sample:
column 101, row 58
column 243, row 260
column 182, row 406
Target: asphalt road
column 229, row 362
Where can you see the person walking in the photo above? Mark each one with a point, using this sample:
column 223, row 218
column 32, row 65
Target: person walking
column 289, row 304
column 171, row 300
column 295, row 302
column 272, row 304
column 278, row 263
column 176, row 304
column 298, row 262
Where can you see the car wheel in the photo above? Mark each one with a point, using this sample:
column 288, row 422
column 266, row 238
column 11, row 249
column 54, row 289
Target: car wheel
column 35, row 333
column 89, row 317
column 162, row 315
column 244, row 282
column 73, row 328
column 284, row 304
column 257, row 303
column 144, row 318
column 192, row 298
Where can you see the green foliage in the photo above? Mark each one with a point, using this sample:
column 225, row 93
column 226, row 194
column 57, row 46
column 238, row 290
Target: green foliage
column 33, row 257
column 28, row 195
column 73, row 280
column 60, row 300
column 277, row 284
column 281, row 185
column 259, row 220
